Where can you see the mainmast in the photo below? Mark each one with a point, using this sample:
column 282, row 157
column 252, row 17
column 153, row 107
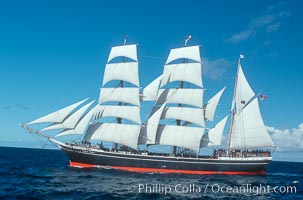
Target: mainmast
column 181, row 104
column 178, row 122
column 177, row 102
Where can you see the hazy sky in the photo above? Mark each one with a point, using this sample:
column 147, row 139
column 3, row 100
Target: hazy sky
column 53, row 53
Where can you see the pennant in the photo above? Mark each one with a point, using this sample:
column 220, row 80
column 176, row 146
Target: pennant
column 187, row 39
column 262, row 97
column 125, row 37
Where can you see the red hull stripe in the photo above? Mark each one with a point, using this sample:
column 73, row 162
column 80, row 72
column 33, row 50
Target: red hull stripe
column 157, row 170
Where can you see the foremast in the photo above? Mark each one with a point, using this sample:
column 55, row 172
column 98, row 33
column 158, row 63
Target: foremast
column 120, row 101
column 121, row 84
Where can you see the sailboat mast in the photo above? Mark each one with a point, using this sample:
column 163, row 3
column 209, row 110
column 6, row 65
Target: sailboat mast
column 178, row 122
column 233, row 107
column 121, row 84
column 119, row 120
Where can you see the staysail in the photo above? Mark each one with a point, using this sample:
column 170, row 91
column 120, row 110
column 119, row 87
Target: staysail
column 211, row 105
column 214, row 136
column 57, row 116
column 71, row 119
column 150, row 92
column 81, row 126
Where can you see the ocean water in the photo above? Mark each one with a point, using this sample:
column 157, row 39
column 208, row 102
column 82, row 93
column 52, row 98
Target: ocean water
column 45, row 174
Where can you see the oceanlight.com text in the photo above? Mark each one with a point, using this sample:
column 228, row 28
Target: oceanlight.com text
column 211, row 188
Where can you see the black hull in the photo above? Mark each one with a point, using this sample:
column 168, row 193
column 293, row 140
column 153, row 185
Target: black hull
column 164, row 164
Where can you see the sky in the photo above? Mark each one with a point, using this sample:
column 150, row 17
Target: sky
column 53, row 53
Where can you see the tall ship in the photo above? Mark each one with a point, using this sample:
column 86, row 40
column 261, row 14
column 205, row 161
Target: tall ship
column 113, row 135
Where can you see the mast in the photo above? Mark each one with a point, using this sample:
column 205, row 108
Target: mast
column 178, row 103
column 178, row 122
column 121, row 84
column 121, row 102
column 233, row 105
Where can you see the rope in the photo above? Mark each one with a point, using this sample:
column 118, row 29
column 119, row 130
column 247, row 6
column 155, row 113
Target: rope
column 55, row 102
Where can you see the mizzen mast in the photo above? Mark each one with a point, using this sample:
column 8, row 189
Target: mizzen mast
column 232, row 110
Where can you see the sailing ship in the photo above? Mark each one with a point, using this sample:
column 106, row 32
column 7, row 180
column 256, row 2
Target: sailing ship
column 178, row 119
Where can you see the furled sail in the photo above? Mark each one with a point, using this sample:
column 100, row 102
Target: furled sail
column 211, row 106
column 57, row 116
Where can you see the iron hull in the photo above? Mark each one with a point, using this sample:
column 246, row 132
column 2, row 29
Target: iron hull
column 164, row 164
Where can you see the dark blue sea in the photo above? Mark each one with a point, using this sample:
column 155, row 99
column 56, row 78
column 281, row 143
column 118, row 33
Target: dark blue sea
column 45, row 174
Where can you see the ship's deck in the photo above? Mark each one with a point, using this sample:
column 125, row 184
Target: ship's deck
column 232, row 156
